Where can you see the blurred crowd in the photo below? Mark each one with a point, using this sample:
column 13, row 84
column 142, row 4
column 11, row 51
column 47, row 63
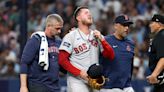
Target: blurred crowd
column 103, row 11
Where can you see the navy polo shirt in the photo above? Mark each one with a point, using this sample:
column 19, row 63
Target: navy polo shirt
column 119, row 71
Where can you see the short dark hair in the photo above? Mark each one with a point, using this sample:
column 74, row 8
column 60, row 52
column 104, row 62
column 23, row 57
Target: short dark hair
column 76, row 12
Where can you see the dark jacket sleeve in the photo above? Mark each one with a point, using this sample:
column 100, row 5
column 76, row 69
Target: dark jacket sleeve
column 29, row 53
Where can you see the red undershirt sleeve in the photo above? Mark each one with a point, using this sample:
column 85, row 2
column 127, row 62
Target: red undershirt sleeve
column 108, row 51
column 65, row 63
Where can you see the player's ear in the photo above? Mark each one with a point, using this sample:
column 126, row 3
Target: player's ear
column 78, row 18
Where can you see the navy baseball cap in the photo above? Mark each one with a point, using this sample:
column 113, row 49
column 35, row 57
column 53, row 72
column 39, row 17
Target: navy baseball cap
column 123, row 19
column 158, row 18
column 95, row 71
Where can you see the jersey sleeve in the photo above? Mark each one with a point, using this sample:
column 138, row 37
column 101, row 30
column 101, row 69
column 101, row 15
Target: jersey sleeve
column 29, row 53
column 160, row 46
column 100, row 44
column 66, row 44
column 65, row 63
column 108, row 51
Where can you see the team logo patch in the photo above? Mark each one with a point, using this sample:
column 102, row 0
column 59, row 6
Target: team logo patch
column 66, row 44
column 126, row 17
column 114, row 46
column 128, row 48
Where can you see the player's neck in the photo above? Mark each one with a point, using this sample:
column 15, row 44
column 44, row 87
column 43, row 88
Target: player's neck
column 84, row 29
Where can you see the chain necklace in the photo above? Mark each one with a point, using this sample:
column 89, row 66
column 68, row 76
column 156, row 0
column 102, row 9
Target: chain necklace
column 82, row 36
column 87, row 40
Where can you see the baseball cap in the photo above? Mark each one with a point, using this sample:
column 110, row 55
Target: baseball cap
column 95, row 71
column 123, row 19
column 158, row 18
column 78, row 9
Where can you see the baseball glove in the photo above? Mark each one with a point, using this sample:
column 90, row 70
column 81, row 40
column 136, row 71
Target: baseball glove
column 95, row 76
column 96, row 83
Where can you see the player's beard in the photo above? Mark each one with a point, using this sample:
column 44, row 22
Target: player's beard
column 87, row 22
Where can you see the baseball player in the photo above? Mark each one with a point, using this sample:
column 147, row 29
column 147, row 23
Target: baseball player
column 80, row 49
column 119, row 70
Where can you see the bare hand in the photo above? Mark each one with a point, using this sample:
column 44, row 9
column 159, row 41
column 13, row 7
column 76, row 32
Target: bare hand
column 84, row 75
column 97, row 34
column 24, row 89
column 152, row 79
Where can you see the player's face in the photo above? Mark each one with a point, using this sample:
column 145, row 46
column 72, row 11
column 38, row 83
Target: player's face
column 85, row 17
column 153, row 27
column 122, row 30
column 55, row 29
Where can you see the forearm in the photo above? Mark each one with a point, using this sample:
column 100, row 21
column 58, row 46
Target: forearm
column 23, row 80
column 159, row 67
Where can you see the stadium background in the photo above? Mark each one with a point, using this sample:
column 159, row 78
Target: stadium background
column 20, row 18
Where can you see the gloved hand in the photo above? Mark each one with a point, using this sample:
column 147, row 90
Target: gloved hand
column 96, row 83
column 95, row 76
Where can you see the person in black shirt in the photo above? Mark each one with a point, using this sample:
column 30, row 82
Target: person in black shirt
column 156, row 53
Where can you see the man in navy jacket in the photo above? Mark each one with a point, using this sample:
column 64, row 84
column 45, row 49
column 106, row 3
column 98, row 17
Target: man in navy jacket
column 33, row 77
